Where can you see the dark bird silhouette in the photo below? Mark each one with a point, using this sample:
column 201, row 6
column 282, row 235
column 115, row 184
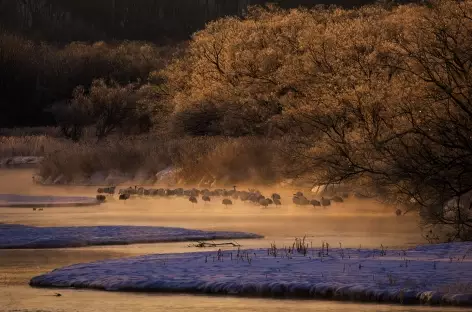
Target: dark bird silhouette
column 244, row 196
column 101, row 198
column 337, row 199
column 193, row 200
column 325, row 202
column 124, row 196
column 264, row 202
column 206, row 198
column 235, row 195
column 300, row 200
column 315, row 203
column 227, row 202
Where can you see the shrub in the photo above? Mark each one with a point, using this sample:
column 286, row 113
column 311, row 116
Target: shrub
column 108, row 108
column 215, row 159
column 31, row 145
column 197, row 120
column 35, row 75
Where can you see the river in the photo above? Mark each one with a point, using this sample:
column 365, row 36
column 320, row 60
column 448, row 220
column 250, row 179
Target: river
column 352, row 224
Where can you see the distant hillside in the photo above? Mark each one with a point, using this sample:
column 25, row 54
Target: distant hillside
column 156, row 20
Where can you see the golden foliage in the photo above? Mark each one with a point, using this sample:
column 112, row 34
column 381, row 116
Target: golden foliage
column 377, row 96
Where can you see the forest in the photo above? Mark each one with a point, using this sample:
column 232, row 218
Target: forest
column 377, row 96
column 48, row 47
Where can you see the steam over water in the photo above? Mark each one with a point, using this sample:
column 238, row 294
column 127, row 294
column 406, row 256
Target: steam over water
column 353, row 223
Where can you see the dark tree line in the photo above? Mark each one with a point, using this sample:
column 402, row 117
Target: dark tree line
column 153, row 20
column 40, row 67
column 36, row 76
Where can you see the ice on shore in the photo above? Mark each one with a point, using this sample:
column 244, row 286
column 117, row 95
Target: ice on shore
column 20, row 236
column 36, row 201
column 16, row 161
column 433, row 274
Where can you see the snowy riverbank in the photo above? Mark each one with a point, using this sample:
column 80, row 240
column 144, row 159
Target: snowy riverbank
column 433, row 274
column 20, row 161
column 36, row 201
column 19, row 236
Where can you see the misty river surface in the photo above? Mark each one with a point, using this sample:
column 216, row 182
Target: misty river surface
column 353, row 224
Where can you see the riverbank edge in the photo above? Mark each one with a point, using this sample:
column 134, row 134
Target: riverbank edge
column 410, row 298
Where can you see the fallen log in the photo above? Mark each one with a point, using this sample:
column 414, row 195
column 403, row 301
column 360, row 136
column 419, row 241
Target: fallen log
column 202, row 244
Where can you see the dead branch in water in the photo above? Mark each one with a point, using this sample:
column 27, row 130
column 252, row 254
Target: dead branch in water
column 202, row 244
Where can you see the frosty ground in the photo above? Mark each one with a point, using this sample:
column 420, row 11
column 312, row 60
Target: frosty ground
column 36, row 201
column 19, row 161
column 20, row 236
column 432, row 274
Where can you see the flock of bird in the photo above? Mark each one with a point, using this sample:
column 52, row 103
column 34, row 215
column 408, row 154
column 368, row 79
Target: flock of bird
column 226, row 196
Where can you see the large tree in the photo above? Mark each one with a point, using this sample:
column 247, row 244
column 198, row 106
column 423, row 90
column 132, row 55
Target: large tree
column 377, row 97
column 401, row 128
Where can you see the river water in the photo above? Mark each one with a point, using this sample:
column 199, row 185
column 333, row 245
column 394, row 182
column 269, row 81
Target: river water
column 354, row 223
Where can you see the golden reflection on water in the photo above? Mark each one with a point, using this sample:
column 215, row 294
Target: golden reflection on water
column 353, row 223
column 30, row 299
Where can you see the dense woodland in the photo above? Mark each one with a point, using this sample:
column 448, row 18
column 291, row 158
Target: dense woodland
column 42, row 61
column 378, row 97
column 41, row 64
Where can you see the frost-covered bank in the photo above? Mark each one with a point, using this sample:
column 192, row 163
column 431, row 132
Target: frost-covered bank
column 427, row 274
column 20, row 161
column 20, row 236
column 35, row 201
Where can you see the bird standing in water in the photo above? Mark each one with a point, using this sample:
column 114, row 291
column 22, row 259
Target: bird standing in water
column 193, row 200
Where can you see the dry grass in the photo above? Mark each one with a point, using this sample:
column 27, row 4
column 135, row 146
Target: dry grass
column 222, row 159
column 247, row 159
column 211, row 158
column 79, row 161
column 30, row 131
column 31, row 145
column 457, row 288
